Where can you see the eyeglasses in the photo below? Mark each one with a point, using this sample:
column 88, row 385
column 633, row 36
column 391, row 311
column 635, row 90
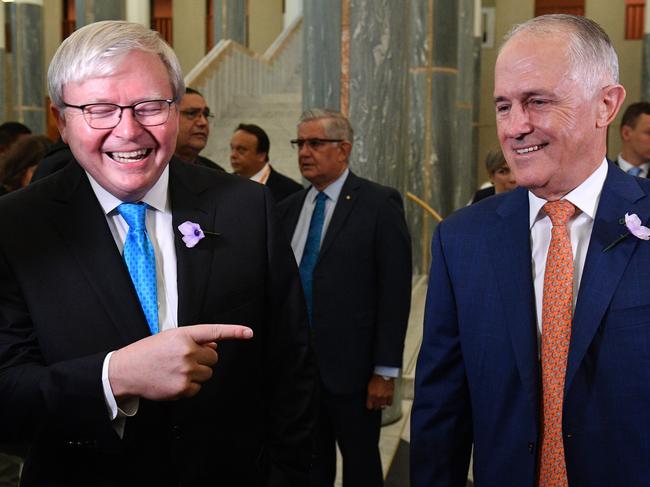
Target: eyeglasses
column 195, row 113
column 313, row 144
column 108, row 115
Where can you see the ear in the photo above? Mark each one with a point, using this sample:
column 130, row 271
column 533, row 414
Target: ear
column 625, row 132
column 609, row 103
column 60, row 121
column 346, row 149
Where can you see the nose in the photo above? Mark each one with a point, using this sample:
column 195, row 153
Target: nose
column 201, row 119
column 128, row 127
column 516, row 124
column 303, row 150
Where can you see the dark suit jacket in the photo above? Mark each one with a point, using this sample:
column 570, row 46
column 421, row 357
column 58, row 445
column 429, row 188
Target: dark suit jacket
column 362, row 284
column 478, row 374
column 66, row 299
column 281, row 186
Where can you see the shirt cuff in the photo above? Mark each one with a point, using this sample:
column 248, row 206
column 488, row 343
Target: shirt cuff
column 392, row 372
column 117, row 413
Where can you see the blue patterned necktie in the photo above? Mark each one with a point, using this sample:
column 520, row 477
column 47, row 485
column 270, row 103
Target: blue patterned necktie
column 312, row 248
column 141, row 260
column 634, row 171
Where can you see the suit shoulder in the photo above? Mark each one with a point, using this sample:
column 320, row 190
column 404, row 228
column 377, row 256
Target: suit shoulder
column 378, row 190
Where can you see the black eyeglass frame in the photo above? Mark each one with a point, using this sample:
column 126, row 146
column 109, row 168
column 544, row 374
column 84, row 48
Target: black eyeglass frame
column 313, row 143
column 196, row 113
column 86, row 115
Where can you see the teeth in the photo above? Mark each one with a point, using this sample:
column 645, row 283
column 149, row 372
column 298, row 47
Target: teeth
column 529, row 149
column 131, row 156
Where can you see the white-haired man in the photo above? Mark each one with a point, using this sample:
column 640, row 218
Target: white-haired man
column 110, row 259
column 537, row 333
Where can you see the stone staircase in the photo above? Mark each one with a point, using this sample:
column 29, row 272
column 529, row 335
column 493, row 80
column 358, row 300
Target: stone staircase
column 277, row 114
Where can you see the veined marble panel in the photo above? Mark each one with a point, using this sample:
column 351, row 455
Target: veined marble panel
column 26, row 20
column 377, row 86
column 321, row 56
column 645, row 69
column 3, row 93
column 230, row 20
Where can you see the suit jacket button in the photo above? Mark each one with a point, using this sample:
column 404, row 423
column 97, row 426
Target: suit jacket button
column 531, row 447
column 176, row 432
column 569, row 435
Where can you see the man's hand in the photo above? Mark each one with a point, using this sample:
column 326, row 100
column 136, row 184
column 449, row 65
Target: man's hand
column 170, row 364
column 380, row 392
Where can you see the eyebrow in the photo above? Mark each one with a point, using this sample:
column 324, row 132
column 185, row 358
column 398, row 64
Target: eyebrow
column 526, row 94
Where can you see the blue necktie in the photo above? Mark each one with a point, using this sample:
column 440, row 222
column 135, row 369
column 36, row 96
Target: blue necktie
column 141, row 260
column 634, row 171
column 312, row 248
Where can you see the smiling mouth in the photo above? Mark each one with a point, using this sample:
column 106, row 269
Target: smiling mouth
column 533, row 148
column 131, row 156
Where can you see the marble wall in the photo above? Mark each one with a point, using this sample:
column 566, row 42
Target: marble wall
column 230, row 20
column 89, row 11
column 24, row 64
column 405, row 74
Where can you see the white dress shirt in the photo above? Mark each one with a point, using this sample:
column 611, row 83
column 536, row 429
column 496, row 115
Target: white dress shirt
column 585, row 197
column 333, row 191
column 158, row 220
column 262, row 175
column 626, row 166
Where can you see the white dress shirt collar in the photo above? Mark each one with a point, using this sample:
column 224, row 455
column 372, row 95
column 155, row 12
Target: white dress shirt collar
column 262, row 175
column 333, row 191
column 585, row 197
column 626, row 166
column 157, row 197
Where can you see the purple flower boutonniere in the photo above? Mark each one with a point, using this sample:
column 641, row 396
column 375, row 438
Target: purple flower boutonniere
column 633, row 224
column 192, row 233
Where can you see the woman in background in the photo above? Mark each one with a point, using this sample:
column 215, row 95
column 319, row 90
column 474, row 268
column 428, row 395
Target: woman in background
column 500, row 175
column 19, row 163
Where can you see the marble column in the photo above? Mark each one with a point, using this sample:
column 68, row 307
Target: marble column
column 138, row 11
column 24, row 62
column 3, row 71
column 89, row 11
column 443, row 84
column 645, row 66
column 230, row 20
column 354, row 62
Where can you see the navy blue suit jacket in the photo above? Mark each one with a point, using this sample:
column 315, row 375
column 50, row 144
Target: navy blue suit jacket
column 478, row 375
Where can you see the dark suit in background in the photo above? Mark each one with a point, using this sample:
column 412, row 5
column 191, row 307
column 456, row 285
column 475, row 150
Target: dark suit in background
column 361, row 300
column 281, row 186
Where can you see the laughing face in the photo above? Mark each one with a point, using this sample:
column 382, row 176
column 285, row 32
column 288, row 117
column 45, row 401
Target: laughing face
column 550, row 129
column 128, row 159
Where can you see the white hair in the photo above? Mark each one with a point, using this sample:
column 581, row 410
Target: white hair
column 97, row 49
column 590, row 51
column 336, row 125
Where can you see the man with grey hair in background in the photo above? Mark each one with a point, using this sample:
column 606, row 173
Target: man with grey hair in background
column 114, row 280
column 350, row 238
column 537, row 324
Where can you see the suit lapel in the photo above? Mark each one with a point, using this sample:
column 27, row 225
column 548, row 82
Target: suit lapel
column 509, row 245
column 347, row 199
column 81, row 222
column 603, row 270
column 193, row 264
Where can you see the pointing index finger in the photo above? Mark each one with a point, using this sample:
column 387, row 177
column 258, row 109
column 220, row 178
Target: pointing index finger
column 202, row 334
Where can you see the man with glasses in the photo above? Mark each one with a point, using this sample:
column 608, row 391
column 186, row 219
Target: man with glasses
column 113, row 282
column 350, row 239
column 194, row 129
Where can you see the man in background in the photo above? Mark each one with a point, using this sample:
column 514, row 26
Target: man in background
column 350, row 238
column 194, row 129
column 249, row 158
column 635, row 139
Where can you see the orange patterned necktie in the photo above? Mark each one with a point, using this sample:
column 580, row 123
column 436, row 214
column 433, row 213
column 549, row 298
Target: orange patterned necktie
column 557, row 311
